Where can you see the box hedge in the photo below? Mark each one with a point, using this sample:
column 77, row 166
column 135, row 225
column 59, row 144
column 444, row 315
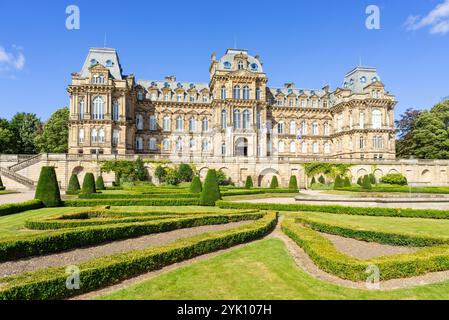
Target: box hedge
column 99, row 183
column 293, row 183
column 47, row 189
column 74, row 185
column 12, row 208
column 274, row 183
column 88, row 184
column 196, row 186
column 130, row 202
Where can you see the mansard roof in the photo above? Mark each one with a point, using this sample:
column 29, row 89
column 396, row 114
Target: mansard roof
column 359, row 78
column 297, row 91
column 106, row 57
column 173, row 85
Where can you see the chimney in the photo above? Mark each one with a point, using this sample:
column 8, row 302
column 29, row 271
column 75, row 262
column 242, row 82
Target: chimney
column 170, row 78
column 289, row 85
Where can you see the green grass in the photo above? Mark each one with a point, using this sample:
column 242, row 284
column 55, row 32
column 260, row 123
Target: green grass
column 249, row 273
column 414, row 226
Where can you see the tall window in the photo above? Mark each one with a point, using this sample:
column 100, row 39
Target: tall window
column 327, row 148
column 223, row 149
column 205, row 98
column 258, row 120
column 192, row 124
column 315, row 147
column 377, row 119
column 167, row 123
column 166, row 145
column 362, row 120
column 293, row 147
column 326, row 129
column 205, row 145
column 101, row 136
column 179, row 144
column 81, row 136
column 257, row 93
column 192, row 144
column 94, row 136
column 81, row 109
column 153, row 123
column 236, row 92
column 237, row 119
column 179, row 97
column 140, row 95
column 362, row 143
column 139, row 122
column 304, row 147
column 281, row 127
column 293, row 128
column 98, row 108
column 240, row 65
column 115, row 137
column 179, row 124
column 115, row 110
column 304, row 128
column 223, row 93
column 245, row 93
column 205, row 125
column 339, row 123
column 281, row 148
column 166, row 96
column 315, row 129
column 378, row 142
column 246, row 119
column 223, row 119
column 303, row 103
column 139, row 143
column 152, row 144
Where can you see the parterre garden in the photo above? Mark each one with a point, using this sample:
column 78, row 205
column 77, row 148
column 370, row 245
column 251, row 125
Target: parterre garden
column 116, row 234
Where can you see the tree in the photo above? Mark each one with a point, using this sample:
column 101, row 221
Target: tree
column 346, row 182
column 74, row 185
column 293, row 183
column 172, row 177
column 185, row 172
column 338, row 182
column 372, row 178
column 274, row 183
column 406, row 126
column 99, row 184
column 2, row 187
column 121, row 168
column 160, row 172
column 322, row 180
column 366, row 183
column 24, row 127
column 6, row 141
column 88, row 184
column 47, row 189
column 222, row 179
column 55, row 133
column 195, row 185
column 211, row 190
column 141, row 171
column 249, row 182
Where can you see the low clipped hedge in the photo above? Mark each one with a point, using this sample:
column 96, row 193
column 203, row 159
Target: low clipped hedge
column 139, row 196
column 336, row 209
column 130, row 202
column 396, row 239
column 328, row 258
column 56, row 241
column 51, row 283
column 7, row 209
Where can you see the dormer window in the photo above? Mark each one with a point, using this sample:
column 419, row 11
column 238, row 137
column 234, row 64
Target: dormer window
column 363, row 79
column 93, row 62
column 227, row 65
column 98, row 79
column 140, row 96
column 351, row 82
column 254, row 67
column 374, row 79
column 109, row 63
column 240, row 65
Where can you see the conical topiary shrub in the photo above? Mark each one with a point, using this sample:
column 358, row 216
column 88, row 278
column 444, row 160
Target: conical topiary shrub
column 195, row 185
column 99, row 184
column 366, row 183
column 249, row 182
column 347, row 182
column 88, row 184
column 313, row 181
column 211, row 190
column 322, row 180
column 293, row 183
column 359, row 181
column 74, row 185
column 2, row 187
column 372, row 178
column 47, row 189
column 274, row 183
column 338, row 182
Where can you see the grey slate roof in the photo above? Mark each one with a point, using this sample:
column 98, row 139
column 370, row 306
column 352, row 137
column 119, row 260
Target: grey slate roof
column 173, row 85
column 360, row 77
column 229, row 58
column 106, row 57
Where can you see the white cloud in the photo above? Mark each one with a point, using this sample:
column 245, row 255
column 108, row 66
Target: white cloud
column 437, row 20
column 12, row 60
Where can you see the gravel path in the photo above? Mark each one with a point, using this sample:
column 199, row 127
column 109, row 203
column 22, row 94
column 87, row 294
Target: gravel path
column 77, row 256
column 365, row 250
column 16, row 197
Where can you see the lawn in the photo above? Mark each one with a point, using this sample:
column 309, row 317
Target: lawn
column 415, row 226
column 249, row 273
column 2, row 192
column 396, row 188
column 261, row 196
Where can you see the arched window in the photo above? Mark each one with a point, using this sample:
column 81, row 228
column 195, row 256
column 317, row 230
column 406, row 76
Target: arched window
column 281, row 127
column 281, row 146
column 258, row 120
column 293, row 128
column 304, row 128
column 223, row 149
column 245, row 93
column 192, row 144
column 304, row 147
column 166, row 145
column 81, row 136
column 205, row 125
column 115, row 110
column 236, row 92
column 223, row 93
column 192, row 124
column 237, row 119
column 377, row 119
column 223, row 119
column 326, row 129
column 362, row 143
column 115, row 137
column 94, row 135
column 139, row 122
column 315, row 147
column 81, row 109
column 139, row 143
column 167, row 123
column 362, row 120
column 179, row 124
column 327, row 148
column 98, row 108
column 257, row 93
column 179, row 144
column 101, row 136
column 315, row 128
column 153, row 123
column 205, row 98
column 240, row 65
column 205, row 145
column 140, row 95
column 246, row 119
column 152, row 144
column 293, row 147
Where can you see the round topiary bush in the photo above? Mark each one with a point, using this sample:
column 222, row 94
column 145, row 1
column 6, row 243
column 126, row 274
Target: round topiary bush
column 347, row 182
column 47, row 189
column 366, row 183
column 99, row 184
column 274, row 183
column 394, row 178
column 338, row 182
column 88, row 184
column 195, row 185
column 249, row 182
column 293, row 183
column 185, row 172
column 2, row 187
column 211, row 190
column 74, row 185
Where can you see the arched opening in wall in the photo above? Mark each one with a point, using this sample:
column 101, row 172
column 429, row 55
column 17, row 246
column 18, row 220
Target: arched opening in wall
column 426, row 177
column 77, row 170
column 378, row 174
column 361, row 173
column 265, row 177
column 226, row 172
column 241, row 147
column 393, row 171
column 203, row 172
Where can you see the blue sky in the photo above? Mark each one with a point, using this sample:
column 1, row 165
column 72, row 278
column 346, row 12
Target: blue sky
column 310, row 43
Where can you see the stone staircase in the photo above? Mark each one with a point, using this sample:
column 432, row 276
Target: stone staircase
column 25, row 163
column 17, row 178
